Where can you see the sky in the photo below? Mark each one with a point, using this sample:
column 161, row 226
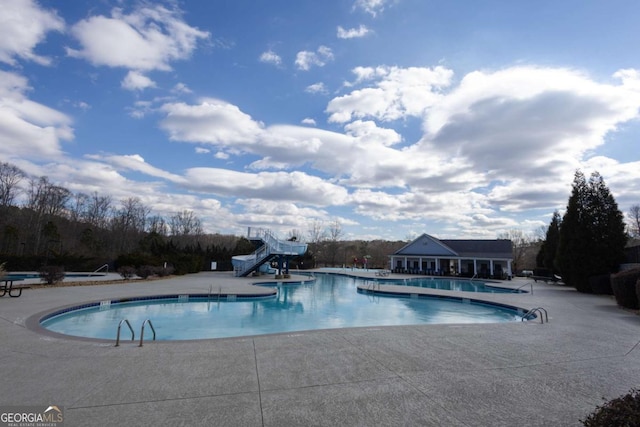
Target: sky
column 460, row 119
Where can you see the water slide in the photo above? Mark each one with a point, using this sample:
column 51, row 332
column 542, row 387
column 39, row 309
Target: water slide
column 269, row 248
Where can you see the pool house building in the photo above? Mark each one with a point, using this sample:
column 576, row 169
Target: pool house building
column 431, row 256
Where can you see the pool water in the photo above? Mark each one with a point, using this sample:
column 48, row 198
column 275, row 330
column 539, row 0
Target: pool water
column 452, row 285
column 332, row 301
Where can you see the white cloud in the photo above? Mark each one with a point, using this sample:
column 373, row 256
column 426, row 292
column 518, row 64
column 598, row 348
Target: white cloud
column 294, row 186
column 368, row 131
column 372, row 7
column 136, row 163
column 306, row 59
column 352, row 33
column 24, row 25
column 494, row 145
column 149, row 38
column 135, row 80
column 308, row 121
column 316, row 88
column 398, row 92
column 525, row 118
column 27, row 128
column 211, row 121
column 181, row 88
column 270, row 57
column 201, row 150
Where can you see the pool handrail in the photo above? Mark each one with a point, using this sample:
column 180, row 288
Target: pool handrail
column 527, row 283
column 100, row 268
column 533, row 312
column 142, row 331
column 133, row 334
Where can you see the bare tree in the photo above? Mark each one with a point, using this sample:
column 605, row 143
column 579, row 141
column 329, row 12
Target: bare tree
column 333, row 244
column 97, row 210
column 10, row 177
column 335, row 230
column 46, row 198
column 157, row 224
column 521, row 243
column 44, row 202
column 316, row 232
column 634, row 216
column 185, row 223
column 129, row 222
column 77, row 206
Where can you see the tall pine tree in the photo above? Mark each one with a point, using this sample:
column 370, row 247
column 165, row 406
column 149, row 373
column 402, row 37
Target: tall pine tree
column 592, row 236
column 549, row 249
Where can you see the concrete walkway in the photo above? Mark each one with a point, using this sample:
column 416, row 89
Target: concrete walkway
column 507, row 374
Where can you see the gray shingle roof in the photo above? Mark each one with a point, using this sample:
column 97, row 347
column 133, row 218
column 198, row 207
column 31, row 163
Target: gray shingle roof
column 427, row 245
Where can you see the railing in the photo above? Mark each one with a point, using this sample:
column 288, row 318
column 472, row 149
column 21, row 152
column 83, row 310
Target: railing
column 529, row 314
column 259, row 255
column 272, row 246
column 142, row 331
column 133, row 334
column 106, row 267
column 284, row 247
column 520, row 287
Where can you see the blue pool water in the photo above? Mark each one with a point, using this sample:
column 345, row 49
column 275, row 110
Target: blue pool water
column 332, row 301
column 452, row 285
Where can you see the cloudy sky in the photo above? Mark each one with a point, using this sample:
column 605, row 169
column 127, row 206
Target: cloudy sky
column 461, row 119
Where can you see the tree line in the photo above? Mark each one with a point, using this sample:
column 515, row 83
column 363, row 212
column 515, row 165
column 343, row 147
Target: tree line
column 43, row 223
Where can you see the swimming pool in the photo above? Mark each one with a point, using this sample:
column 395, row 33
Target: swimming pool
column 331, row 301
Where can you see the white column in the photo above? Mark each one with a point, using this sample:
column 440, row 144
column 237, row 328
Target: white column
column 475, row 267
column 491, row 267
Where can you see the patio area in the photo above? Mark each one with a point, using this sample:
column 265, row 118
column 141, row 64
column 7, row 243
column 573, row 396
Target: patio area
column 456, row 375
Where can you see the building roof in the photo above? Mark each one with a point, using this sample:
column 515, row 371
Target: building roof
column 427, row 245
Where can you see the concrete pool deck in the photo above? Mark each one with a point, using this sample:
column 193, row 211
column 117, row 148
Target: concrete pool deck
column 455, row 375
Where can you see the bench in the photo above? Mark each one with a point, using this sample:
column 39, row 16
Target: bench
column 383, row 273
column 8, row 287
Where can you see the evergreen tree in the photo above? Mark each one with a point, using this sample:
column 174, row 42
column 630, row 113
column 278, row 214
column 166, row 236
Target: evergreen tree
column 592, row 237
column 608, row 227
column 549, row 249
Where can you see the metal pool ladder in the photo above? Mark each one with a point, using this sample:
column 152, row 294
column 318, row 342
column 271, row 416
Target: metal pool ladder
column 533, row 312
column 133, row 334
column 142, row 331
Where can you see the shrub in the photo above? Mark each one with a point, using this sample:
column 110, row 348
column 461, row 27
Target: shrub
column 624, row 288
column 145, row 271
column 621, row 411
column 3, row 271
column 164, row 271
column 127, row 272
column 51, row 274
column 601, row 284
